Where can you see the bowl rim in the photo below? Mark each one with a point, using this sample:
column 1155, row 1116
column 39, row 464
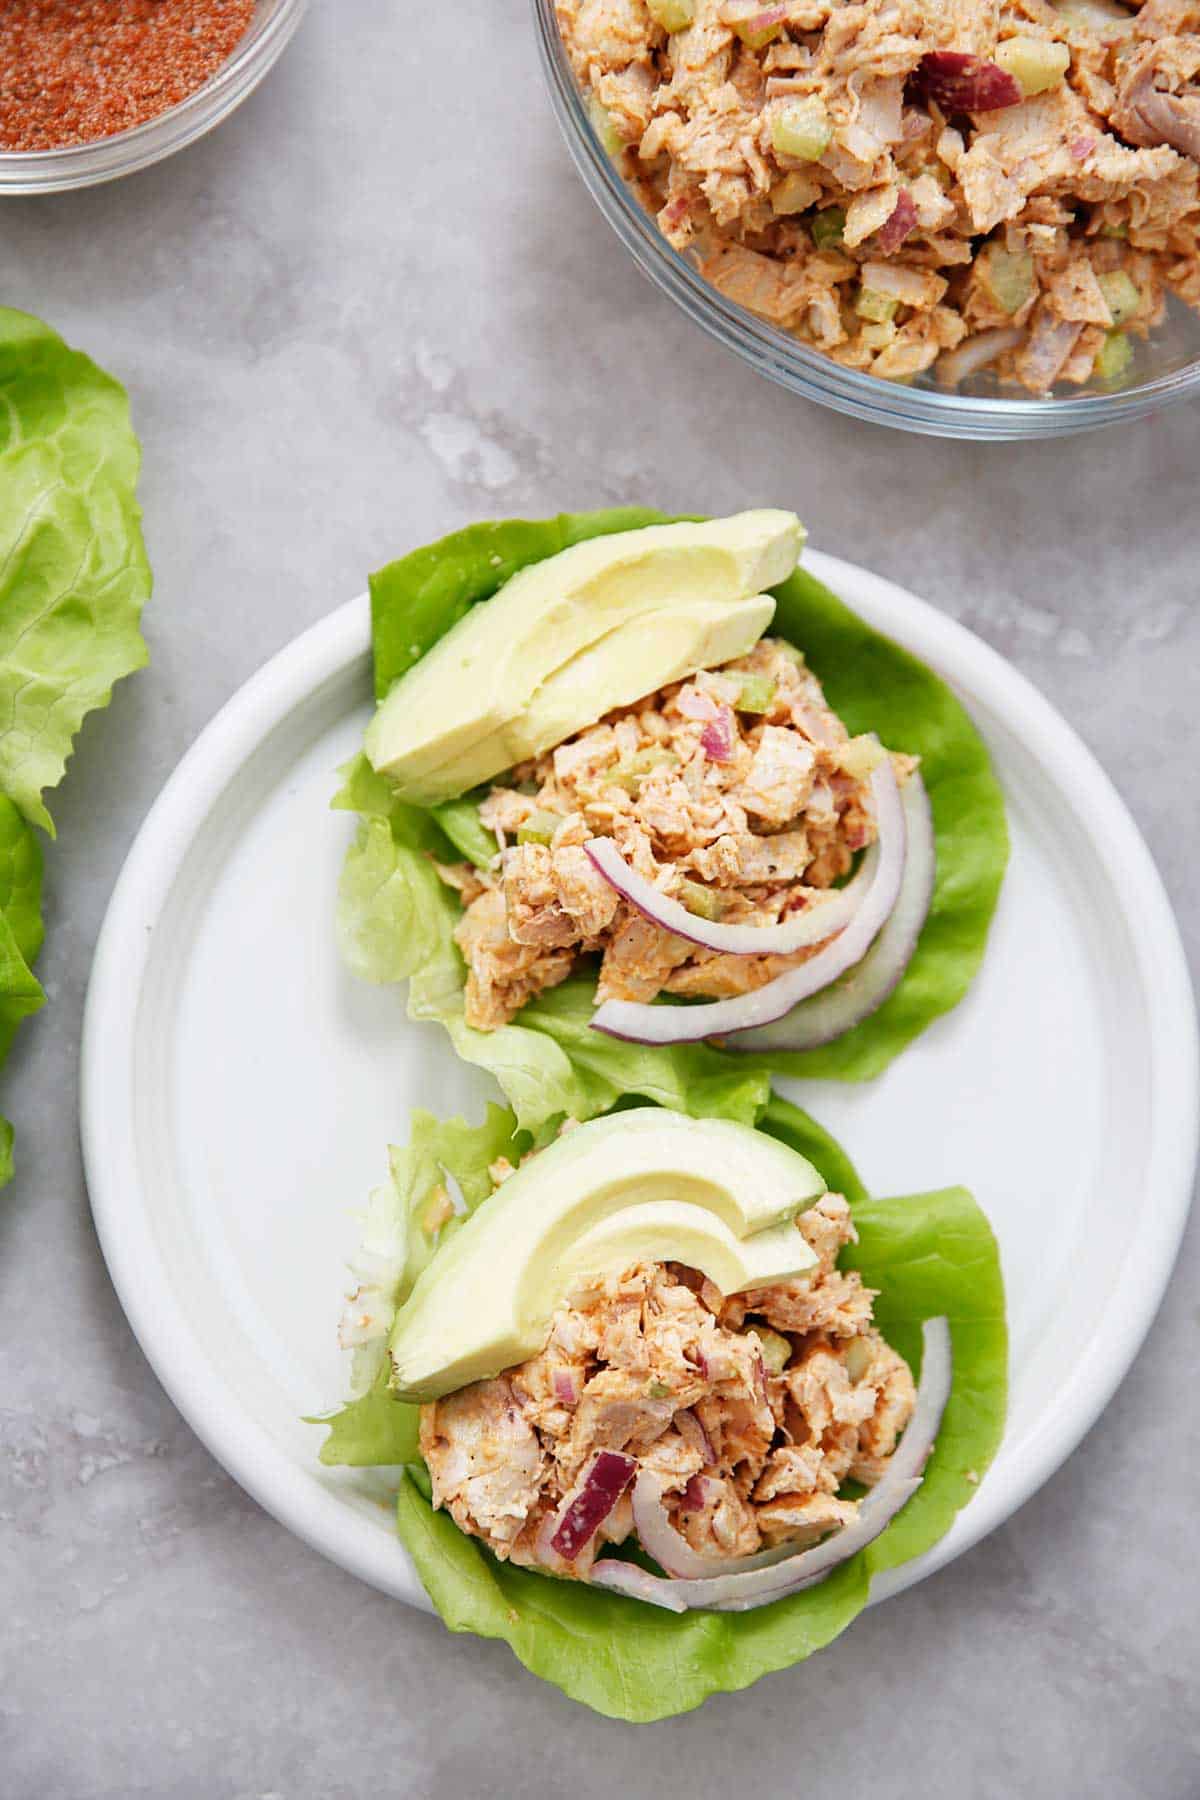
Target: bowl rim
column 104, row 158
column 783, row 358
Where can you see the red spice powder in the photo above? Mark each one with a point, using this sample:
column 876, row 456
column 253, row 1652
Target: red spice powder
column 72, row 71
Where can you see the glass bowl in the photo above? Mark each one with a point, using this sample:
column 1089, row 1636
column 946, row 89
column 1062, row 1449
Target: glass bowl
column 83, row 165
column 1166, row 368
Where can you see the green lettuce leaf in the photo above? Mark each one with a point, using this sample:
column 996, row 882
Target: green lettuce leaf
column 391, row 919
column 926, row 1254
column 400, row 1236
column 73, row 568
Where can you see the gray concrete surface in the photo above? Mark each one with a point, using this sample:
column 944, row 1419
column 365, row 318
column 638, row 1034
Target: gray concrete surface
column 372, row 306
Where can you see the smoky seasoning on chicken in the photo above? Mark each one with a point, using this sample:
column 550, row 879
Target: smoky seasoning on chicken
column 739, row 792
column 906, row 185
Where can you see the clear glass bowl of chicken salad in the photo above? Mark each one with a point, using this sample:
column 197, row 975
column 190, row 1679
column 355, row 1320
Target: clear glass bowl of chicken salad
column 975, row 221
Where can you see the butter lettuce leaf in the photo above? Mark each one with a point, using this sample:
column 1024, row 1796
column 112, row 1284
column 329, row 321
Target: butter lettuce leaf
column 870, row 680
column 73, row 569
column 73, row 580
column 927, row 1255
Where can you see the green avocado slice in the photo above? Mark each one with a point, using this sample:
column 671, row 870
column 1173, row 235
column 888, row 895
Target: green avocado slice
column 674, row 642
column 485, row 671
column 643, row 1185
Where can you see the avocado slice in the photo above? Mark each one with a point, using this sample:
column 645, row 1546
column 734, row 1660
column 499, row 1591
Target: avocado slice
column 485, row 671
column 645, row 1185
column 676, row 641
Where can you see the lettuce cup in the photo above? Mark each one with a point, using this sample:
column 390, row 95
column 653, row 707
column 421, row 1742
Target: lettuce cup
column 669, row 1390
column 645, row 809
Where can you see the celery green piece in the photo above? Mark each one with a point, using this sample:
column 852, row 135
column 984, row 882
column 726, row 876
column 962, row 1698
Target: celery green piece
column 794, row 194
column 539, row 828
column 878, row 336
column 1035, row 64
column 1008, row 275
column 701, row 900
column 828, row 226
column 756, row 695
column 802, row 129
column 752, row 23
column 877, row 307
column 672, row 15
column 1121, row 296
column 1116, row 354
column 776, row 1351
column 605, row 130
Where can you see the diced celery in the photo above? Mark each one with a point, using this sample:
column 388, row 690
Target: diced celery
column 794, row 194
column 828, row 226
column 605, row 130
column 539, row 827
column 1009, row 276
column 1116, row 354
column 783, row 648
column 1035, row 64
column 672, row 15
column 802, row 129
column 878, row 336
column 859, row 1357
column 1118, row 232
column 704, row 902
column 1121, row 296
column 633, row 771
column 776, row 1351
column 757, row 694
column 756, row 23
column 658, row 1390
column 873, row 305
column 860, row 757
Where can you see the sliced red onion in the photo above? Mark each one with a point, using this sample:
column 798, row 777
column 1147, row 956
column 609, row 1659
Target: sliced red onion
column 883, row 867
column 608, row 1475
column 900, row 222
column 961, row 83
column 865, row 987
column 799, row 931
column 749, row 1587
column 659, row 1538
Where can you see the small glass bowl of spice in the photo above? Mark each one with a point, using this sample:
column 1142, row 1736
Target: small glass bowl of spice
column 93, row 89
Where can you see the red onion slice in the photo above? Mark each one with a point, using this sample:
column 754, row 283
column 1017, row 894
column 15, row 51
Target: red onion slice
column 798, row 932
column 643, row 1023
column 659, row 1539
column 864, row 988
column 583, row 1512
column 759, row 1586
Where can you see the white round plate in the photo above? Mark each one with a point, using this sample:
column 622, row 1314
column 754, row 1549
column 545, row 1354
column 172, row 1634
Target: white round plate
column 240, row 1090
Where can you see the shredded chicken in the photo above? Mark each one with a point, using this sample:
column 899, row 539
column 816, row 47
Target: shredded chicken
column 746, row 836
column 1096, row 166
column 655, row 1364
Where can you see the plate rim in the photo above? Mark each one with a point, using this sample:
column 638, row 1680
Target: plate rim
column 259, row 706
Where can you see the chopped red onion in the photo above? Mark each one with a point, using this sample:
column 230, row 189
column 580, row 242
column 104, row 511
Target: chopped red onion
column 960, row 83
column 897, row 226
column 585, row 1510
column 693, row 703
column 565, row 1390
column 716, row 740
